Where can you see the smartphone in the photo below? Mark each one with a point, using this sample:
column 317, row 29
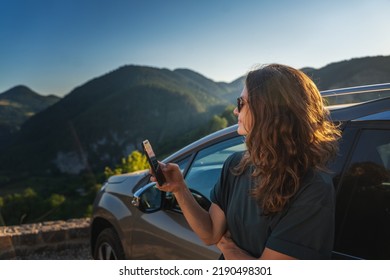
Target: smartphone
column 153, row 162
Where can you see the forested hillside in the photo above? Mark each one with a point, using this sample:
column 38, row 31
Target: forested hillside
column 17, row 105
column 54, row 152
column 354, row 72
column 106, row 118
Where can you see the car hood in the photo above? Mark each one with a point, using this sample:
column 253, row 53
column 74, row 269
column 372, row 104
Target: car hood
column 125, row 183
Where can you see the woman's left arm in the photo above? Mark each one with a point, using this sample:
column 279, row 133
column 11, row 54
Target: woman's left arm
column 231, row 251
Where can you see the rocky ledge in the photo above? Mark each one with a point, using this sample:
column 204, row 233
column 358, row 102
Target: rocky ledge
column 48, row 240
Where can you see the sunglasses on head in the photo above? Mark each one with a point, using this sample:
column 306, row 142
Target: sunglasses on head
column 240, row 103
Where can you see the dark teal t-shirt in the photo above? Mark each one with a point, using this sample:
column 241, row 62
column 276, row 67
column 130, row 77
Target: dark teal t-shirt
column 304, row 230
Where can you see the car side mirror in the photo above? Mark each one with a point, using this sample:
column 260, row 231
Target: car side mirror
column 148, row 199
column 203, row 201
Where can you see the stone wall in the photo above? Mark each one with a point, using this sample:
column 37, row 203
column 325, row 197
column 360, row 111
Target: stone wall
column 48, row 240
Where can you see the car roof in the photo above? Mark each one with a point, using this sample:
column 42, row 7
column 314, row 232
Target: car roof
column 378, row 109
column 374, row 102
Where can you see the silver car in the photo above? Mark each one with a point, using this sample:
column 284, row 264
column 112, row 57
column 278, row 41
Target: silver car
column 132, row 219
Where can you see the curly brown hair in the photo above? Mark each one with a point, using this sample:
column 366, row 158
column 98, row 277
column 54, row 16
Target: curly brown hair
column 291, row 133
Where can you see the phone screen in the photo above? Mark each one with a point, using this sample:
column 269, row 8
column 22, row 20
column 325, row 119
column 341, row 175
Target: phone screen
column 148, row 149
column 153, row 162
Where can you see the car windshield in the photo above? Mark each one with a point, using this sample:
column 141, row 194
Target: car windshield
column 208, row 163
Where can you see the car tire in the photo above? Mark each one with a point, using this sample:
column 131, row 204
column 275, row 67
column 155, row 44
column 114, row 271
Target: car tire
column 108, row 246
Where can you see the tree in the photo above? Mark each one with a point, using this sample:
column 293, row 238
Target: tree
column 229, row 115
column 134, row 162
column 217, row 123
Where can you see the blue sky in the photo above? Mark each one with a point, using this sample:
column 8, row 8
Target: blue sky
column 53, row 46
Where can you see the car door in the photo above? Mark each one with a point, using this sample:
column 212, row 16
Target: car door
column 363, row 197
column 165, row 234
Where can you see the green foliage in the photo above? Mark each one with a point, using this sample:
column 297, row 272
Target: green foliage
column 88, row 212
column 56, row 200
column 217, row 122
column 49, row 199
column 229, row 116
column 29, row 193
column 137, row 161
column 18, row 206
column 134, row 162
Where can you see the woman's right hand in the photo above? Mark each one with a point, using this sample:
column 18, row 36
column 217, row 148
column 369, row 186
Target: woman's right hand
column 174, row 178
column 208, row 225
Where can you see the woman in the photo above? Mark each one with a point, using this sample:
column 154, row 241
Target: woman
column 273, row 201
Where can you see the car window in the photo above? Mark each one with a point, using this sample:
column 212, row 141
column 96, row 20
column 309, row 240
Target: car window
column 363, row 204
column 207, row 165
column 183, row 163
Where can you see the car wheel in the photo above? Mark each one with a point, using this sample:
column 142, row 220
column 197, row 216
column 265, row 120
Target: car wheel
column 108, row 246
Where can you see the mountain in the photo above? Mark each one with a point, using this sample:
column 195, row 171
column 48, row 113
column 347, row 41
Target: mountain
column 229, row 91
column 17, row 105
column 106, row 118
column 353, row 72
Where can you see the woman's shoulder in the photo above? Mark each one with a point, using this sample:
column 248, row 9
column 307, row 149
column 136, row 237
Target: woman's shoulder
column 317, row 177
column 316, row 187
column 234, row 159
